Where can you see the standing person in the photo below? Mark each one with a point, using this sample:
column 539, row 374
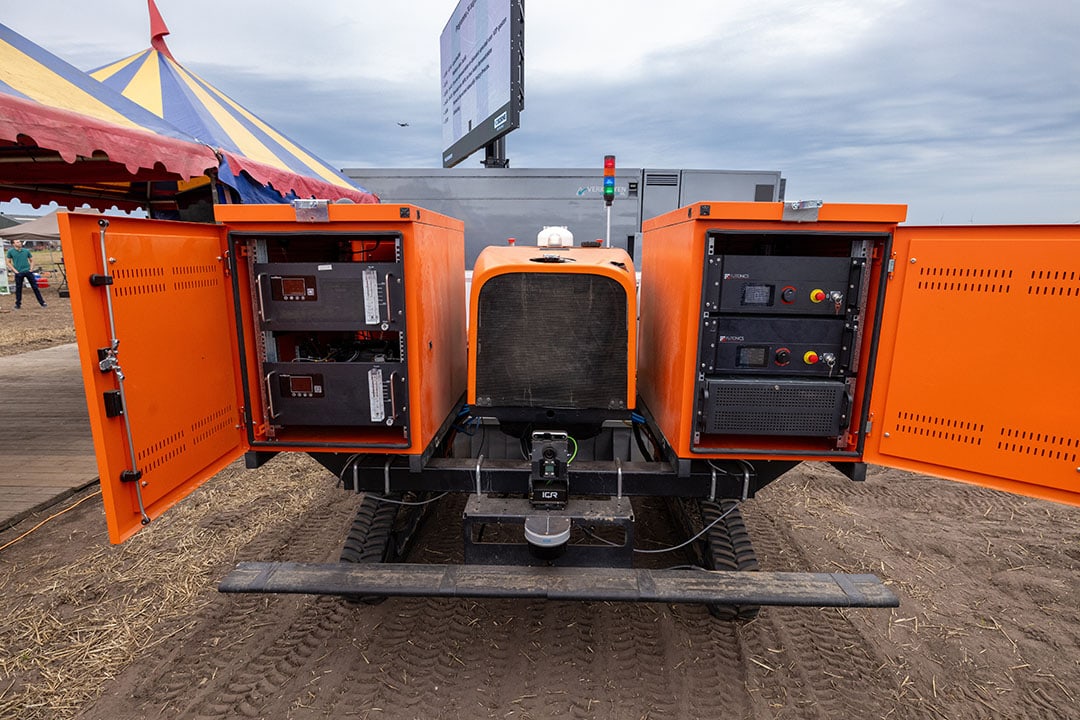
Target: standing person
column 21, row 262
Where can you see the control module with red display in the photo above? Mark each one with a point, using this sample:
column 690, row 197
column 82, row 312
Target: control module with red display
column 333, row 335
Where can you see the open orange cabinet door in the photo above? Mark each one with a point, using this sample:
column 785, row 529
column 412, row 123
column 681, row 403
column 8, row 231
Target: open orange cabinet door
column 978, row 376
column 155, row 321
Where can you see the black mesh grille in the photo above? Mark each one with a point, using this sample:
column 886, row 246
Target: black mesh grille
column 770, row 407
column 555, row 340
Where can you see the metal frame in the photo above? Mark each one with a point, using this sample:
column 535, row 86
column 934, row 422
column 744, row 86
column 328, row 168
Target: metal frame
column 386, row 474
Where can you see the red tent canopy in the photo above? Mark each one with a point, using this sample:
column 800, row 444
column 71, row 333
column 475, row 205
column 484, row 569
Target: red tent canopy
column 49, row 154
column 66, row 138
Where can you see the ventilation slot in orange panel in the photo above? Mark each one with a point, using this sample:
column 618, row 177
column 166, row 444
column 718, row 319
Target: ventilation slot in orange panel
column 161, row 452
column 1057, row 283
column 138, row 281
column 951, row 429
column 1044, row 445
column 965, row 279
column 194, row 277
column 212, row 424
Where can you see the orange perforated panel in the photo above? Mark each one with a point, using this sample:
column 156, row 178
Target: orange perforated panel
column 180, row 340
column 172, row 304
column 977, row 378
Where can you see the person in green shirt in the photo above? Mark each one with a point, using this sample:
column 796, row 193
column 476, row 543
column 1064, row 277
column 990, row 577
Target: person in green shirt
column 21, row 262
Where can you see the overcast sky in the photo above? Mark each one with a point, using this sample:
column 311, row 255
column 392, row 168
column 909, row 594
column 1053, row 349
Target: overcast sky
column 966, row 110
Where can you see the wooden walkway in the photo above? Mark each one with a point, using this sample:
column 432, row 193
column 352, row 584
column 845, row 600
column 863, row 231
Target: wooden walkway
column 46, row 451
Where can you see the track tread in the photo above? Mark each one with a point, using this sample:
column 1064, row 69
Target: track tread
column 727, row 547
column 370, row 539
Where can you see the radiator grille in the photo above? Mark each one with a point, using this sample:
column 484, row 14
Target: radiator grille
column 554, row 340
column 770, row 407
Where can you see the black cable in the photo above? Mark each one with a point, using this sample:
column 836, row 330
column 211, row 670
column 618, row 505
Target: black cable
column 641, row 443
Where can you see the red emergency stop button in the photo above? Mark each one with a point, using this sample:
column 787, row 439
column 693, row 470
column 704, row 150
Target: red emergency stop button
column 817, row 296
column 810, row 358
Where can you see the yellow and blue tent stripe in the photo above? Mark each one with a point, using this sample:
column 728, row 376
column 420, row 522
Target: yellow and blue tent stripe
column 167, row 89
column 30, row 72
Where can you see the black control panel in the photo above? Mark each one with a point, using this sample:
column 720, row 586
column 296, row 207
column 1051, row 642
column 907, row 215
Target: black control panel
column 337, row 393
column 330, row 308
column 754, row 345
column 330, row 295
column 768, row 285
column 781, row 324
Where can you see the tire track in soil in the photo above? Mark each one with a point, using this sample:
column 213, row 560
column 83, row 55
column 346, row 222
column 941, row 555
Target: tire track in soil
column 433, row 634
column 713, row 669
column 315, row 536
column 294, row 627
column 934, row 563
column 610, row 659
column 529, row 656
column 829, row 661
column 284, row 642
column 202, row 672
column 814, row 659
column 536, row 657
column 462, row 632
column 541, row 658
column 929, row 561
column 478, row 637
column 596, row 655
column 282, row 657
column 403, row 650
column 253, row 681
column 624, row 649
column 425, row 656
column 428, row 657
column 744, row 648
column 636, row 639
column 560, row 655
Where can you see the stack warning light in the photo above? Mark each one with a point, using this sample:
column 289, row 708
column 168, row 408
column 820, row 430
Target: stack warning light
column 609, row 179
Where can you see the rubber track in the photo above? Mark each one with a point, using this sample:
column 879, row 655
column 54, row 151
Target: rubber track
column 370, row 539
column 728, row 547
column 370, row 534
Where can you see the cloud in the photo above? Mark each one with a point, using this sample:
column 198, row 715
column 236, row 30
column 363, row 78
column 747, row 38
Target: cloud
column 964, row 109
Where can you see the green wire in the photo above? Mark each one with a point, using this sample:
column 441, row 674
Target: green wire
column 574, row 455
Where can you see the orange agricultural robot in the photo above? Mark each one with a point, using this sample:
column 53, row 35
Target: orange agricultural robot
column 565, row 383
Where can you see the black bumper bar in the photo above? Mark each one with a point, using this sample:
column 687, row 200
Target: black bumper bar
column 561, row 583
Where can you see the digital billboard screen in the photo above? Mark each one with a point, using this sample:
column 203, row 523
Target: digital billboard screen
column 482, row 65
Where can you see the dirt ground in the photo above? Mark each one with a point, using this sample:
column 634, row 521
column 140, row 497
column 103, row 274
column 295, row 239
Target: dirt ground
column 988, row 627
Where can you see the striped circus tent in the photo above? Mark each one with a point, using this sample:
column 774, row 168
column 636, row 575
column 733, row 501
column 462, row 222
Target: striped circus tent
column 257, row 160
column 66, row 138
